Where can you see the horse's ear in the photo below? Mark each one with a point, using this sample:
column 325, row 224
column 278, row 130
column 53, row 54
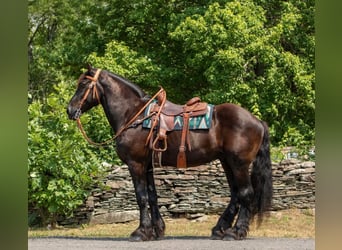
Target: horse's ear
column 89, row 67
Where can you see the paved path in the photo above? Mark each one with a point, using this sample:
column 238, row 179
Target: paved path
column 179, row 243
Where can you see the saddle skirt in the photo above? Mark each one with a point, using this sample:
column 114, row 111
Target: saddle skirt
column 202, row 121
column 166, row 116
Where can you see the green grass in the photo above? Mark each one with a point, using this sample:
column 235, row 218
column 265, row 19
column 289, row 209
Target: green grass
column 293, row 223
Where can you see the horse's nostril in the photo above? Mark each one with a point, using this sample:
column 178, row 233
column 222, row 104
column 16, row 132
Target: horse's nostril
column 68, row 111
column 72, row 113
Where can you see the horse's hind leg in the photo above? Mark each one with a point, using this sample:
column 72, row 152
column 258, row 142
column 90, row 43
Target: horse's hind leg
column 244, row 198
column 157, row 221
column 227, row 218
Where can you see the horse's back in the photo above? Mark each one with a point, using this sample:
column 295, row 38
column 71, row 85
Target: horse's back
column 235, row 115
column 240, row 131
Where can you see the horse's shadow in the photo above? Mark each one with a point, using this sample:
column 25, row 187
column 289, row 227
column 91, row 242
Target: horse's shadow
column 127, row 238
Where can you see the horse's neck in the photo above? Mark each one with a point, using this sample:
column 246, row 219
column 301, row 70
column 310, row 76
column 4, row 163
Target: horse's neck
column 118, row 108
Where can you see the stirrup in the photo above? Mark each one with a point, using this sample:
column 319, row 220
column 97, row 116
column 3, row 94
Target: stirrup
column 163, row 139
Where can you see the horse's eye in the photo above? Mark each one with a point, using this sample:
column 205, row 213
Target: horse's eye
column 82, row 83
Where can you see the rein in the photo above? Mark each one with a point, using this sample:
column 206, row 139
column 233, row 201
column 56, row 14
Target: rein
column 129, row 124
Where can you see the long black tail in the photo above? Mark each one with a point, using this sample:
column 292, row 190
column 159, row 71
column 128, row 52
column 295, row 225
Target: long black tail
column 261, row 178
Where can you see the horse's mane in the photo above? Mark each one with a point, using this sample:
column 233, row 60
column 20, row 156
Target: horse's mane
column 131, row 85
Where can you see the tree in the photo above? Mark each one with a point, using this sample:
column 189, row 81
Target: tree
column 256, row 53
column 122, row 60
column 61, row 35
column 234, row 58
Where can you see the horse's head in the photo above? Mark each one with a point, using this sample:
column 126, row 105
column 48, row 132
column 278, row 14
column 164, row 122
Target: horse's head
column 87, row 94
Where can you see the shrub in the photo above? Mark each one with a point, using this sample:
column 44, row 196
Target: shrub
column 61, row 165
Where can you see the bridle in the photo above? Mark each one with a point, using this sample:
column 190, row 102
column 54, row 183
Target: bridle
column 129, row 124
column 90, row 87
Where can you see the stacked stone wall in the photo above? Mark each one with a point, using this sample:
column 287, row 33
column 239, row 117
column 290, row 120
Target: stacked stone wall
column 191, row 192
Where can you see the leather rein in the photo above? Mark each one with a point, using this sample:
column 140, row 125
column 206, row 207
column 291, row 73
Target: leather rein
column 131, row 123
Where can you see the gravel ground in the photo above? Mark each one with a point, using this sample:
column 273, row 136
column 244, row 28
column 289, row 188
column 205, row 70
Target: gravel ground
column 188, row 243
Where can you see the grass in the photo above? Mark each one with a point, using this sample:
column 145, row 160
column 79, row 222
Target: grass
column 293, row 223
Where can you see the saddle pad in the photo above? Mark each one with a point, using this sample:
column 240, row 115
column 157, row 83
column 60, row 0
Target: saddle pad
column 195, row 122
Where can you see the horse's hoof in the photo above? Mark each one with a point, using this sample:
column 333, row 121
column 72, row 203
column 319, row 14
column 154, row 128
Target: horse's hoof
column 229, row 238
column 229, row 235
column 235, row 234
column 135, row 238
column 159, row 232
column 241, row 234
column 138, row 238
column 139, row 235
column 216, row 235
column 158, row 237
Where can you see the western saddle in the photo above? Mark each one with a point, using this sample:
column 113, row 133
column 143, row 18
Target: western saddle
column 163, row 117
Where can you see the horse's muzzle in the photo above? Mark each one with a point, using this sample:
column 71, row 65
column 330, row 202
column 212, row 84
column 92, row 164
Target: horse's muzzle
column 74, row 114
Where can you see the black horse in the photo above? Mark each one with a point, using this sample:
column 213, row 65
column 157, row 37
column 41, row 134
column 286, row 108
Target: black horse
column 237, row 138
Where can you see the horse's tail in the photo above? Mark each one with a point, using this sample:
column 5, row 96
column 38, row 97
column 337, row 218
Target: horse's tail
column 261, row 177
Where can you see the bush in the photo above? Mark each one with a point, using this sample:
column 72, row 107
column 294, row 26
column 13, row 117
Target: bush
column 61, row 165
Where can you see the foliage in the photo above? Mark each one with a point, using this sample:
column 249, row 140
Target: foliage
column 256, row 53
column 255, row 67
column 61, row 166
column 61, row 34
column 259, row 54
column 124, row 61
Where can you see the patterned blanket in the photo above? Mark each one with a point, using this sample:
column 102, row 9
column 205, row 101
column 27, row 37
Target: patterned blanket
column 196, row 122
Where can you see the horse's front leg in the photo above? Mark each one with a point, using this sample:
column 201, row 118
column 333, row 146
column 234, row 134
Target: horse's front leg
column 157, row 221
column 145, row 230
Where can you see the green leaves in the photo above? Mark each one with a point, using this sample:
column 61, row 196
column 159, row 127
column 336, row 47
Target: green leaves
column 262, row 69
column 259, row 53
column 122, row 60
column 256, row 53
column 61, row 165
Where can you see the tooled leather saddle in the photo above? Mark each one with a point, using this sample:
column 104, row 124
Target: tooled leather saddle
column 163, row 116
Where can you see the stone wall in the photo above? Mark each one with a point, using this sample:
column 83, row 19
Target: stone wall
column 191, row 192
